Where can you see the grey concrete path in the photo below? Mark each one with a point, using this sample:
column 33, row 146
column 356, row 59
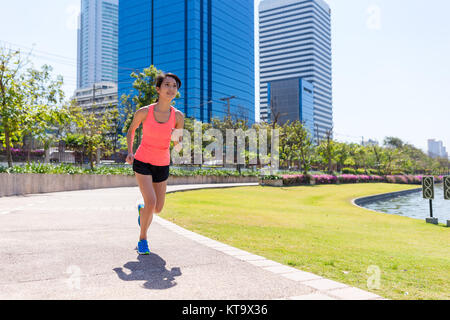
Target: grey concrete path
column 81, row 245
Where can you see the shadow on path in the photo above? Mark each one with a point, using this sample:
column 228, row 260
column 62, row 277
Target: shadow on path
column 151, row 268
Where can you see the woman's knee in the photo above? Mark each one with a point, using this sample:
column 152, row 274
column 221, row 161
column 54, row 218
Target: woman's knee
column 158, row 208
column 150, row 203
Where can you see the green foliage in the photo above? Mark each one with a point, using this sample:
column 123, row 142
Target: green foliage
column 296, row 145
column 110, row 170
column 270, row 177
column 348, row 170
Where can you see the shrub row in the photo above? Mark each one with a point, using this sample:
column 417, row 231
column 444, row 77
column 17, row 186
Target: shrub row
column 109, row 170
column 359, row 171
column 299, row 179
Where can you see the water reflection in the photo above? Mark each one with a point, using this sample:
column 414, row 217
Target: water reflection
column 415, row 206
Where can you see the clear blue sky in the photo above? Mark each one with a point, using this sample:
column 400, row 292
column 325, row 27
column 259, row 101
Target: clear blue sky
column 391, row 66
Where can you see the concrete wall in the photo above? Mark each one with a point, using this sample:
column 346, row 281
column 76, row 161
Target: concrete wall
column 20, row 183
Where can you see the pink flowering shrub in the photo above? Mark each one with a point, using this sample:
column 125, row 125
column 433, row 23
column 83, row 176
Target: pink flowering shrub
column 377, row 178
column 295, row 179
column 325, row 179
column 348, row 178
column 404, row 179
column 300, row 179
column 363, row 178
column 390, row 179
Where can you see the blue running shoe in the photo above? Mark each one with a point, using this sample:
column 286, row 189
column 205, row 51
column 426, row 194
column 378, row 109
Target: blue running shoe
column 143, row 247
column 139, row 211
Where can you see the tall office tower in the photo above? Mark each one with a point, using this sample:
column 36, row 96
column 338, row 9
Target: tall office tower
column 209, row 44
column 292, row 99
column 295, row 42
column 97, row 42
column 436, row 149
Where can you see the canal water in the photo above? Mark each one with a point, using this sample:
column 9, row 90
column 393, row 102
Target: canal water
column 415, row 206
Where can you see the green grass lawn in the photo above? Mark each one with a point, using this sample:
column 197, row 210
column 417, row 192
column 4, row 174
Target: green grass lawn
column 317, row 229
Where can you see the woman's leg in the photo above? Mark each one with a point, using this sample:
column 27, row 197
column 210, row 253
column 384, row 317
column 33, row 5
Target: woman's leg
column 145, row 183
column 160, row 191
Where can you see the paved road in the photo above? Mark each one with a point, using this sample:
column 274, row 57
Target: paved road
column 81, row 245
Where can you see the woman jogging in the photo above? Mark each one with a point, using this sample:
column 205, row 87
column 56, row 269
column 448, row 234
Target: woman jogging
column 152, row 159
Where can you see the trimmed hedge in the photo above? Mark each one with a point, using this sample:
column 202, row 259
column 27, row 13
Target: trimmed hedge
column 110, row 170
column 300, row 179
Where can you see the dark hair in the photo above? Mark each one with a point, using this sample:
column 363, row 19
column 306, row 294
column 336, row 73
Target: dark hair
column 160, row 78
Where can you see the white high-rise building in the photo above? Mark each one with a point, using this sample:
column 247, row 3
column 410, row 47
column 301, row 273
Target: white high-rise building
column 97, row 42
column 295, row 42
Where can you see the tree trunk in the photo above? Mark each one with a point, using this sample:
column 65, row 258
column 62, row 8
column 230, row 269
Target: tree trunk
column 47, row 154
column 28, row 150
column 91, row 156
column 8, row 147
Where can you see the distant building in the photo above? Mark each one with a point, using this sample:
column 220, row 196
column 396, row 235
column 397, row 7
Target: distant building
column 97, row 42
column 436, row 149
column 99, row 99
column 370, row 142
column 295, row 42
column 104, row 97
column 292, row 99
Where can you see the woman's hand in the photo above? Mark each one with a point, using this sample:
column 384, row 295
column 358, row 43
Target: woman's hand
column 178, row 147
column 130, row 158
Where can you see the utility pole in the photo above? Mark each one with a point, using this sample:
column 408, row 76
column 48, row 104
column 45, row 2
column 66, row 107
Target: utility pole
column 317, row 133
column 228, row 103
column 93, row 95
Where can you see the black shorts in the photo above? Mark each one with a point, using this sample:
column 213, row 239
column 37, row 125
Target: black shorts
column 158, row 173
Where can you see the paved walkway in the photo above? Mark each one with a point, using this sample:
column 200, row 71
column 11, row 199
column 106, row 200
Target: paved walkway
column 80, row 245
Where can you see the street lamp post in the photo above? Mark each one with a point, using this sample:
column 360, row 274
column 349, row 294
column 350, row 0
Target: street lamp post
column 228, row 103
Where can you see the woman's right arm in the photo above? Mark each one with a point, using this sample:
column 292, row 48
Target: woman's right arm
column 139, row 117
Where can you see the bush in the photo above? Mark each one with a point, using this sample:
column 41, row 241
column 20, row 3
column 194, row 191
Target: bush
column 325, row 179
column 295, row 179
column 108, row 170
column 348, row 170
column 390, row 179
column 270, row 177
column 347, row 178
column 377, row 178
column 363, row 178
column 22, row 155
column 360, row 171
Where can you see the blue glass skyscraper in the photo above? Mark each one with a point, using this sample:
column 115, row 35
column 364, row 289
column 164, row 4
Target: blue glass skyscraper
column 292, row 99
column 209, row 44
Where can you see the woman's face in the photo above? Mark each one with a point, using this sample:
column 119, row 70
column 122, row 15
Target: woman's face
column 168, row 89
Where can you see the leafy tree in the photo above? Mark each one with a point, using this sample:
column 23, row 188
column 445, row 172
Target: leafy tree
column 41, row 113
column 90, row 129
column 342, row 155
column 327, row 151
column 12, row 98
column 297, row 145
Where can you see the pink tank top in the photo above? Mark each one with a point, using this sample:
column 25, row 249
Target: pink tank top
column 155, row 144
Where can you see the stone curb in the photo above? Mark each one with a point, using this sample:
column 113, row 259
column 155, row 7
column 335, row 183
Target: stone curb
column 360, row 202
